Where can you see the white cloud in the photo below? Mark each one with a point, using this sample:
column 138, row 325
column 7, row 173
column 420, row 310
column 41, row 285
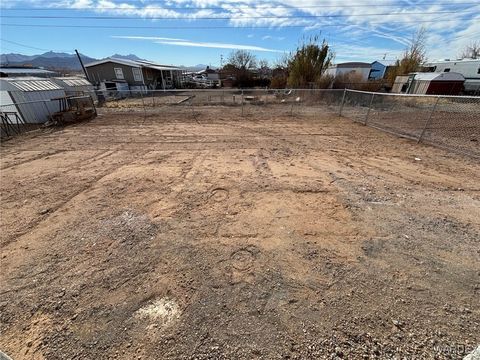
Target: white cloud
column 447, row 33
column 184, row 42
column 270, row 37
column 146, row 38
column 218, row 45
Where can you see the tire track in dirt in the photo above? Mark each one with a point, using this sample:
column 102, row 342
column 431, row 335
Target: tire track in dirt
column 34, row 224
column 420, row 176
column 37, row 157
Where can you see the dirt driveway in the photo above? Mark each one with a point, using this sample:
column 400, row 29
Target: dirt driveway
column 229, row 237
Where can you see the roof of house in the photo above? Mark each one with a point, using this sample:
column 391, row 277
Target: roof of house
column 30, row 84
column 73, row 81
column 444, row 76
column 134, row 63
column 22, row 70
column 353, row 64
column 448, row 61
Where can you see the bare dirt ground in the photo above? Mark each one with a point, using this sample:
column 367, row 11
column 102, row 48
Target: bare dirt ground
column 257, row 237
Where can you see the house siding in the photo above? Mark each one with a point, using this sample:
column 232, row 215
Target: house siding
column 106, row 72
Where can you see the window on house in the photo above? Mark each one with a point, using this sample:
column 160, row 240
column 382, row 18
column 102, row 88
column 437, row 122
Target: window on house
column 478, row 71
column 137, row 74
column 119, row 73
column 446, row 70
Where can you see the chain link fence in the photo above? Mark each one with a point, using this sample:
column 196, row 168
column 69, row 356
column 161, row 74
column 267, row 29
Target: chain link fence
column 452, row 122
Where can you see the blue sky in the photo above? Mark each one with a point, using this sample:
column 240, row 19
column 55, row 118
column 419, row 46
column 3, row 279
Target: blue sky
column 185, row 32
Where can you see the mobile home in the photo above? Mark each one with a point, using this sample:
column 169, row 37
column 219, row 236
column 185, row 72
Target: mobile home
column 469, row 68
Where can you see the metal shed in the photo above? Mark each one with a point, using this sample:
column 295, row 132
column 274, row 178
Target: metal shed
column 449, row 83
column 32, row 97
column 401, row 84
column 76, row 86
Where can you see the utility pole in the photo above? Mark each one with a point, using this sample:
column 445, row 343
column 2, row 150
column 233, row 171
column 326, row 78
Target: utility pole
column 81, row 63
column 221, row 60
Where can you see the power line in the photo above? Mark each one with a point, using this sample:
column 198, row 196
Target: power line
column 30, row 46
column 23, row 45
column 181, row 27
column 223, row 17
column 335, row 42
column 146, row 6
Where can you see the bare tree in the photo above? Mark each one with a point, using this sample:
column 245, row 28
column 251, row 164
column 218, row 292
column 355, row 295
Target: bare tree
column 263, row 64
column 242, row 59
column 413, row 56
column 471, row 51
column 241, row 63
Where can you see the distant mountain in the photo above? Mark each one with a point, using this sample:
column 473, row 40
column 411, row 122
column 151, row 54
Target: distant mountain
column 8, row 58
column 127, row 57
column 52, row 54
column 63, row 61
column 49, row 60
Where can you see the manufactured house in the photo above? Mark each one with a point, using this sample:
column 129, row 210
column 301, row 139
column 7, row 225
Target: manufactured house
column 377, row 71
column 428, row 83
column 134, row 75
column 469, row 68
column 359, row 70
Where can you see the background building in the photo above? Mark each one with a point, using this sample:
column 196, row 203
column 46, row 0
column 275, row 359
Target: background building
column 75, row 86
column 429, row 83
column 26, row 71
column 469, row 68
column 137, row 74
column 31, row 98
column 359, row 70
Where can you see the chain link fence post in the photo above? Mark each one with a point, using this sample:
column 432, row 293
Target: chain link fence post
column 368, row 111
column 144, row 108
column 191, row 105
column 242, row 102
column 343, row 102
column 429, row 120
column 293, row 102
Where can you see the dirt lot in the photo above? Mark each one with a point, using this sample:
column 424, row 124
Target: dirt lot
column 265, row 236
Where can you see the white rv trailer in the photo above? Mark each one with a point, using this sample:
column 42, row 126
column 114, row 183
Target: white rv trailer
column 469, row 68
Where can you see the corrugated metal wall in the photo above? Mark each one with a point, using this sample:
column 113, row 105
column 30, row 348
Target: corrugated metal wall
column 6, row 99
column 38, row 112
column 419, row 87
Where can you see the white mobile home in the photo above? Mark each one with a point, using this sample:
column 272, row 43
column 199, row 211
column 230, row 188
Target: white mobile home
column 469, row 68
column 357, row 69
